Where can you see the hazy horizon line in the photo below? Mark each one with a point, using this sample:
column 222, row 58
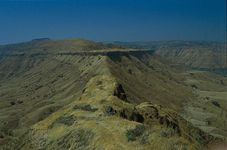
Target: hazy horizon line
column 109, row 41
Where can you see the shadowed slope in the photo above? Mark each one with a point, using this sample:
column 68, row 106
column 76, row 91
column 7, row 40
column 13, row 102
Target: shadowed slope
column 145, row 78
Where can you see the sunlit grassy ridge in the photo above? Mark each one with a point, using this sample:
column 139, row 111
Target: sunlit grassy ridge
column 98, row 119
column 56, row 46
column 110, row 99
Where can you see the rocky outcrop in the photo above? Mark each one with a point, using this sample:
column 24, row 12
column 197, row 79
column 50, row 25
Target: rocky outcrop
column 155, row 115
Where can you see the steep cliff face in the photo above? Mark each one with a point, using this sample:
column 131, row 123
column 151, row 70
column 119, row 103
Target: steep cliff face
column 107, row 99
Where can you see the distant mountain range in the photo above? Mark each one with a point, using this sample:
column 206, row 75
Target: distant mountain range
column 46, row 45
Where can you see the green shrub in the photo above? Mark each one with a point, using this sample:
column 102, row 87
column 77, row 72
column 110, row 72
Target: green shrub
column 132, row 134
column 167, row 132
column 144, row 139
column 110, row 111
column 215, row 103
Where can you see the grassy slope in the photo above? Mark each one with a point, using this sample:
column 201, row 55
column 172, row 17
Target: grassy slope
column 34, row 90
column 95, row 128
column 192, row 94
column 69, row 97
column 210, row 89
column 145, row 78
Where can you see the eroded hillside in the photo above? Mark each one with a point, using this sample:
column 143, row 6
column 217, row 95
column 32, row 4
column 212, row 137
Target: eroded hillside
column 210, row 56
column 105, row 99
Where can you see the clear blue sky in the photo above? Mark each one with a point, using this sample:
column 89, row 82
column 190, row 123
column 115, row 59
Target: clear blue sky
column 109, row 20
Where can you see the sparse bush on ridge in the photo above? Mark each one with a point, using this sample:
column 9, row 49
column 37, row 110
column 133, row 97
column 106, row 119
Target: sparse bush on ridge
column 215, row 103
column 132, row 134
column 12, row 103
column 109, row 110
column 167, row 132
column 194, row 86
